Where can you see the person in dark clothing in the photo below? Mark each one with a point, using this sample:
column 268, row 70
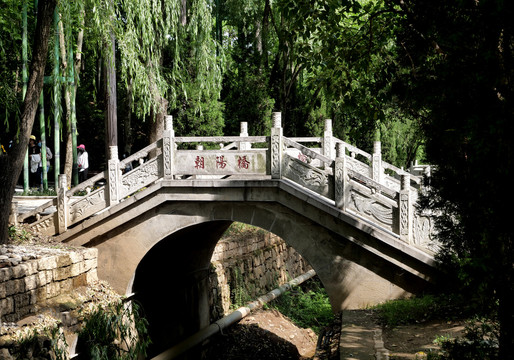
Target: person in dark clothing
column 34, row 160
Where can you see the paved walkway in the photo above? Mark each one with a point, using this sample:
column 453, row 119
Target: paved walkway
column 361, row 338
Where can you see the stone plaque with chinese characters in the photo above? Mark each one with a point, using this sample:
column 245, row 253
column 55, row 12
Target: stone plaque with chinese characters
column 214, row 162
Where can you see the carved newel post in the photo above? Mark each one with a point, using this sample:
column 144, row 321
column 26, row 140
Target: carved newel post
column 113, row 182
column 405, row 209
column 276, row 146
column 62, row 205
column 168, row 148
column 376, row 164
column 328, row 143
column 243, row 145
column 340, row 176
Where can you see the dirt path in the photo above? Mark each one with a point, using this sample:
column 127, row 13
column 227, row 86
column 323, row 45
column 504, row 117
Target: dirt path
column 405, row 341
column 268, row 335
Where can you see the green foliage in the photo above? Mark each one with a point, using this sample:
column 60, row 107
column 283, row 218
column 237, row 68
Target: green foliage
column 116, row 331
column 39, row 192
column 45, row 342
column 241, row 291
column 420, row 309
column 460, row 74
column 307, row 309
column 247, row 99
column 480, row 341
column 242, row 230
column 197, row 115
column 18, row 235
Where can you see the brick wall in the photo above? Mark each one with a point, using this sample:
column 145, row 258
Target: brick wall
column 29, row 276
column 251, row 265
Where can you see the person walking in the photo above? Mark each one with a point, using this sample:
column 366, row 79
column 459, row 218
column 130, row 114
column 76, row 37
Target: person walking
column 35, row 159
column 49, row 157
column 83, row 162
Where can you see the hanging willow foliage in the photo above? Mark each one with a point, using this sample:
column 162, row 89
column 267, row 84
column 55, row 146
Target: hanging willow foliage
column 145, row 30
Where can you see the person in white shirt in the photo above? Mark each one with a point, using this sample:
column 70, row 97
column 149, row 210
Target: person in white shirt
column 83, row 162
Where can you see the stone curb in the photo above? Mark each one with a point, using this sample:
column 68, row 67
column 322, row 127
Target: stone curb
column 381, row 353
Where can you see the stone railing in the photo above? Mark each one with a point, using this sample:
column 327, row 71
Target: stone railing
column 356, row 182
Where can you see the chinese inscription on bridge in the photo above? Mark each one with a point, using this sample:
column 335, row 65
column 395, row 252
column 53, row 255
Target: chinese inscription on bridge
column 221, row 162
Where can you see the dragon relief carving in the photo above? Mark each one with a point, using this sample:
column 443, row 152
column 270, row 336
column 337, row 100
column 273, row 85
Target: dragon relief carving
column 79, row 209
column 357, row 166
column 307, row 176
column 371, row 207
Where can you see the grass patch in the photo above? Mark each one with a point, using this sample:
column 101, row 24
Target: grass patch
column 420, row 309
column 237, row 230
column 307, row 306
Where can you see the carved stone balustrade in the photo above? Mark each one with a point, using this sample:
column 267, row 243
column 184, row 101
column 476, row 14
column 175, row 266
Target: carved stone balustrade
column 355, row 182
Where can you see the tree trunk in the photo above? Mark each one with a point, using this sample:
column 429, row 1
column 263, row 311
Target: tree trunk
column 68, row 163
column 183, row 12
column 12, row 163
column 128, row 139
column 111, row 117
column 157, row 124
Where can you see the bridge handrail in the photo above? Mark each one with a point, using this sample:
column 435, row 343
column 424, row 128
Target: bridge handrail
column 85, row 184
column 313, row 139
column 359, row 185
column 38, row 210
column 221, row 139
column 353, row 149
column 306, row 151
column 140, row 154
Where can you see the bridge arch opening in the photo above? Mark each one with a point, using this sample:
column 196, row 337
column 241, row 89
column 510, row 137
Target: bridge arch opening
column 171, row 282
column 145, row 239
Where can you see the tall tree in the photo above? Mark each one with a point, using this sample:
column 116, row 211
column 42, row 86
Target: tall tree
column 12, row 163
column 461, row 56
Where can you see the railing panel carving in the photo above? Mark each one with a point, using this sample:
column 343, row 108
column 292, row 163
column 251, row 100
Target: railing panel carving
column 141, row 176
column 370, row 207
column 88, row 205
column 358, row 166
column 308, row 176
column 45, row 225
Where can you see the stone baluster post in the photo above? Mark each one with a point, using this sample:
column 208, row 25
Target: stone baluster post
column 376, row 165
column 405, row 209
column 244, row 133
column 276, row 146
column 13, row 216
column 113, row 182
column 168, row 148
column 328, row 142
column 340, row 176
column 62, row 205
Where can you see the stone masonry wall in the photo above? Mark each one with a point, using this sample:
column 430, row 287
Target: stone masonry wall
column 31, row 275
column 247, row 267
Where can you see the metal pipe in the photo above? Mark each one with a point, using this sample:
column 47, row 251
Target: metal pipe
column 230, row 319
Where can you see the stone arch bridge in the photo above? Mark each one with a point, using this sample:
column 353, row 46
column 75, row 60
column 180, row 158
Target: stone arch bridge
column 348, row 213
